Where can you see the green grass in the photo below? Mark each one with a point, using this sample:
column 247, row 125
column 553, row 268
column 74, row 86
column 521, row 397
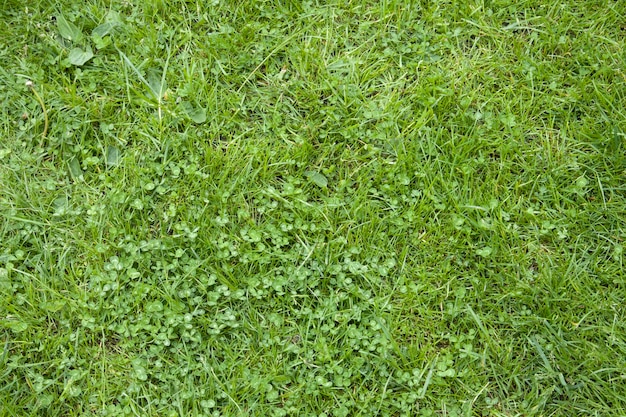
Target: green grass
column 346, row 208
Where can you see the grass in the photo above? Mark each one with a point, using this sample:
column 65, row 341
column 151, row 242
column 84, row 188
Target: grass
column 317, row 209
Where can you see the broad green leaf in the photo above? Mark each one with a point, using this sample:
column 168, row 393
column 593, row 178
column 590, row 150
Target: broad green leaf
column 5, row 282
column 157, row 84
column 45, row 399
column 75, row 168
column 447, row 373
column 101, row 43
column 113, row 17
column 68, row 30
column 177, row 306
column 197, row 114
column 154, row 306
column 53, row 306
column 60, row 203
column 141, row 373
column 78, row 57
column 16, row 326
column 317, row 178
column 104, row 29
column 484, row 252
column 207, row 403
column 114, row 155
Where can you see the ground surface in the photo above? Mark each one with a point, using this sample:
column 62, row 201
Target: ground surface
column 351, row 208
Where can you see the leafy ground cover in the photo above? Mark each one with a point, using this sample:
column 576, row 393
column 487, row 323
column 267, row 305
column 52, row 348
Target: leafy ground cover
column 344, row 208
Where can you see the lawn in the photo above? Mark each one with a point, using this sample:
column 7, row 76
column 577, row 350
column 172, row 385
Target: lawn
column 286, row 208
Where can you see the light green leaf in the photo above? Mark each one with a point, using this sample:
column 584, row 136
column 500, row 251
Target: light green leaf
column 78, row 57
column 75, row 168
column 317, row 178
column 53, row 306
column 114, row 155
column 207, row 403
column 68, row 30
column 104, row 29
column 100, row 42
column 197, row 114
column 447, row 373
column 154, row 306
column 114, row 17
column 141, row 373
column 484, row 252
column 157, row 83
column 16, row 326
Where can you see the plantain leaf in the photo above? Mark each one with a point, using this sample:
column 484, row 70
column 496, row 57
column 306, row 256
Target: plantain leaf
column 68, row 30
column 75, row 169
column 114, row 156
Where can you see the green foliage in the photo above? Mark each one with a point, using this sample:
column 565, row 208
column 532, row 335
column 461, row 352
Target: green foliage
column 313, row 209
